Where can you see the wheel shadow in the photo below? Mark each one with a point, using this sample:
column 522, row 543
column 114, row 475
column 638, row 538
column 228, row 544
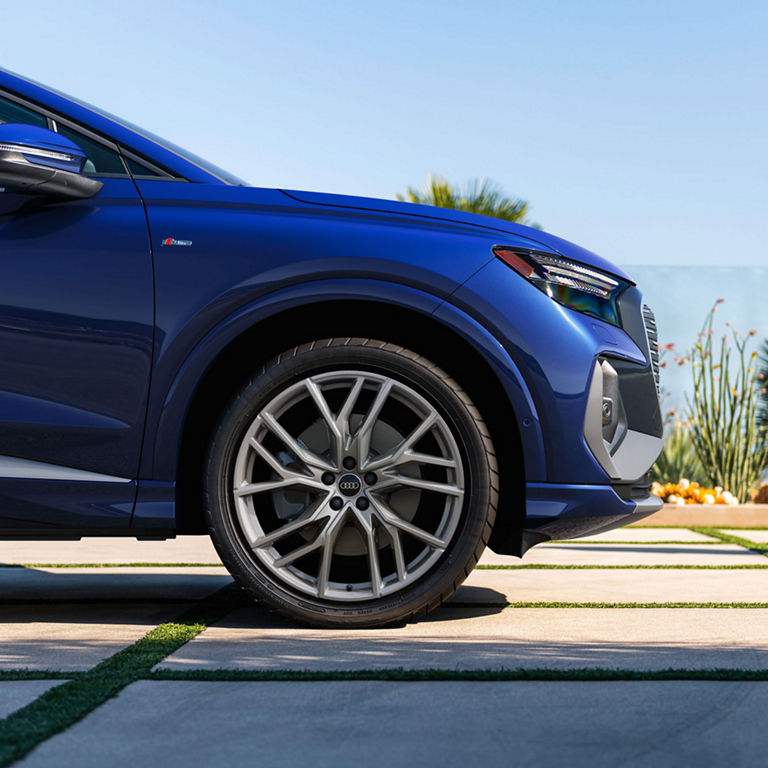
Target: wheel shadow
column 69, row 596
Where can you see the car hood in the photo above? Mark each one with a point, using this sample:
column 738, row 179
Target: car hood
column 538, row 237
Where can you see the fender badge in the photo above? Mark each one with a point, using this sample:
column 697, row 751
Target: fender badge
column 174, row 241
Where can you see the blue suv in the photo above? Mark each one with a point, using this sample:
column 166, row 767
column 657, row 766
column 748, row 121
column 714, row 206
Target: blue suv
column 352, row 397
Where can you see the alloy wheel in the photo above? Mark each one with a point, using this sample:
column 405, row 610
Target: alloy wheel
column 348, row 485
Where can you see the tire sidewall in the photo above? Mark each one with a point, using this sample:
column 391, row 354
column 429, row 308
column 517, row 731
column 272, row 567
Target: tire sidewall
column 460, row 555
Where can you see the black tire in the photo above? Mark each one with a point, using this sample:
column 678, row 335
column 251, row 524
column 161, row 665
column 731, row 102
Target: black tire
column 479, row 476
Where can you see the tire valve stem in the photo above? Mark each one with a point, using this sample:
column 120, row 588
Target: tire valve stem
column 349, row 587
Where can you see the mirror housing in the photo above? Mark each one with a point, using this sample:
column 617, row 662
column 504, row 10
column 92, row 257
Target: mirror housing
column 36, row 161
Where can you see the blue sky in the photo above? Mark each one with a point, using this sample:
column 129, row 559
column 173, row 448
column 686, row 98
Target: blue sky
column 635, row 129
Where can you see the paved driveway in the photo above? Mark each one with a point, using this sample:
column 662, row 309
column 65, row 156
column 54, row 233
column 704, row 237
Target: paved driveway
column 643, row 645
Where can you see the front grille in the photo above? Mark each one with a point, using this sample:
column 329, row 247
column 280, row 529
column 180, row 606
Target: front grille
column 652, row 334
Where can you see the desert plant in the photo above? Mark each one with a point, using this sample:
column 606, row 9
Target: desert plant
column 723, row 410
column 678, row 459
column 476, row 196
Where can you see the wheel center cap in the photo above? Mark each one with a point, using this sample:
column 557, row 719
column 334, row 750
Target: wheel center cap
column 350, row 485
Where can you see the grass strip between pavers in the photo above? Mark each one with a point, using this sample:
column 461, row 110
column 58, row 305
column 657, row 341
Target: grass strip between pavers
column 400, row 673
column 15, row 675
column 68, row 703
column 470, row 675
column 727, row 538
column 735, row 527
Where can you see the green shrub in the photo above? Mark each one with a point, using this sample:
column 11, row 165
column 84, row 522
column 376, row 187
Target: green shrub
column 723, row 411
column 678, row 458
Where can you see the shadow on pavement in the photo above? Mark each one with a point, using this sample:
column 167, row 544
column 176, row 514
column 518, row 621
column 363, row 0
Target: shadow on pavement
column 26, row 585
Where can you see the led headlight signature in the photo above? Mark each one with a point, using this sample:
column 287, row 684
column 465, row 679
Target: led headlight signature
column 584, row 289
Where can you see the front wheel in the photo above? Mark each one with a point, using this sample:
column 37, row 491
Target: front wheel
column 350, row 483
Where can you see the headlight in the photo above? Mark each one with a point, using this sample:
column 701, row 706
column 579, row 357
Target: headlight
column 573, row 285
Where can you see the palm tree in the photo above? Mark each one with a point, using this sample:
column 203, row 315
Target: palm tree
column 477, row 196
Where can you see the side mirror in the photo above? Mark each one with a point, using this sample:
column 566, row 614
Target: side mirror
column 36, row 161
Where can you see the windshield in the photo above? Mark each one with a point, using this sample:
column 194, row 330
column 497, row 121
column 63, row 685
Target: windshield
column 190, row 157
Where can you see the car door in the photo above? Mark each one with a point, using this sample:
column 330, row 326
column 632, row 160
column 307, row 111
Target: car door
column 76, row 335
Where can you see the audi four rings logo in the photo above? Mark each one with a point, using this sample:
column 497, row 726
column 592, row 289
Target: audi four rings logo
column 349, row 485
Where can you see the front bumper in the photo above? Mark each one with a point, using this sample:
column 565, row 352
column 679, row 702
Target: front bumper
column 623, row 431
column 569, row 511
column 593, row 404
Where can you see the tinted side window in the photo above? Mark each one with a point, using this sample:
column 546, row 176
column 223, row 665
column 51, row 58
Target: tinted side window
column 10, row 112
column 101, row 159
column 138, row 169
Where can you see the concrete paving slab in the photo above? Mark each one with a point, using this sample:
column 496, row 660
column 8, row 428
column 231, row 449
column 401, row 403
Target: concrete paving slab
column 760, row 536
column 115, row 549
column 630, row 554
column 614, row 586
column 15, row 694
column 649, row 535
column 452, row 724
column 110, row 584
column 471, row 637
column 72, row 636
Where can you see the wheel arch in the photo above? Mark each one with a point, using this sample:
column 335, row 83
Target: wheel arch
column 416, row 329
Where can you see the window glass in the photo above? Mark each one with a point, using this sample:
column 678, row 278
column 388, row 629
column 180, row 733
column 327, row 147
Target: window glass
column 10, row 112
column 101, row 159
column 137, row 169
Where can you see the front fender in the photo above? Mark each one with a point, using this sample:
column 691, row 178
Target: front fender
column 168, row 408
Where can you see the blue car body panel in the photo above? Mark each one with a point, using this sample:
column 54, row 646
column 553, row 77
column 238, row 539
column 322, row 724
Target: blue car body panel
column 256, row 252
column 76, row 337
column 542, row 240
column 113, row 309
column 549, row 344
